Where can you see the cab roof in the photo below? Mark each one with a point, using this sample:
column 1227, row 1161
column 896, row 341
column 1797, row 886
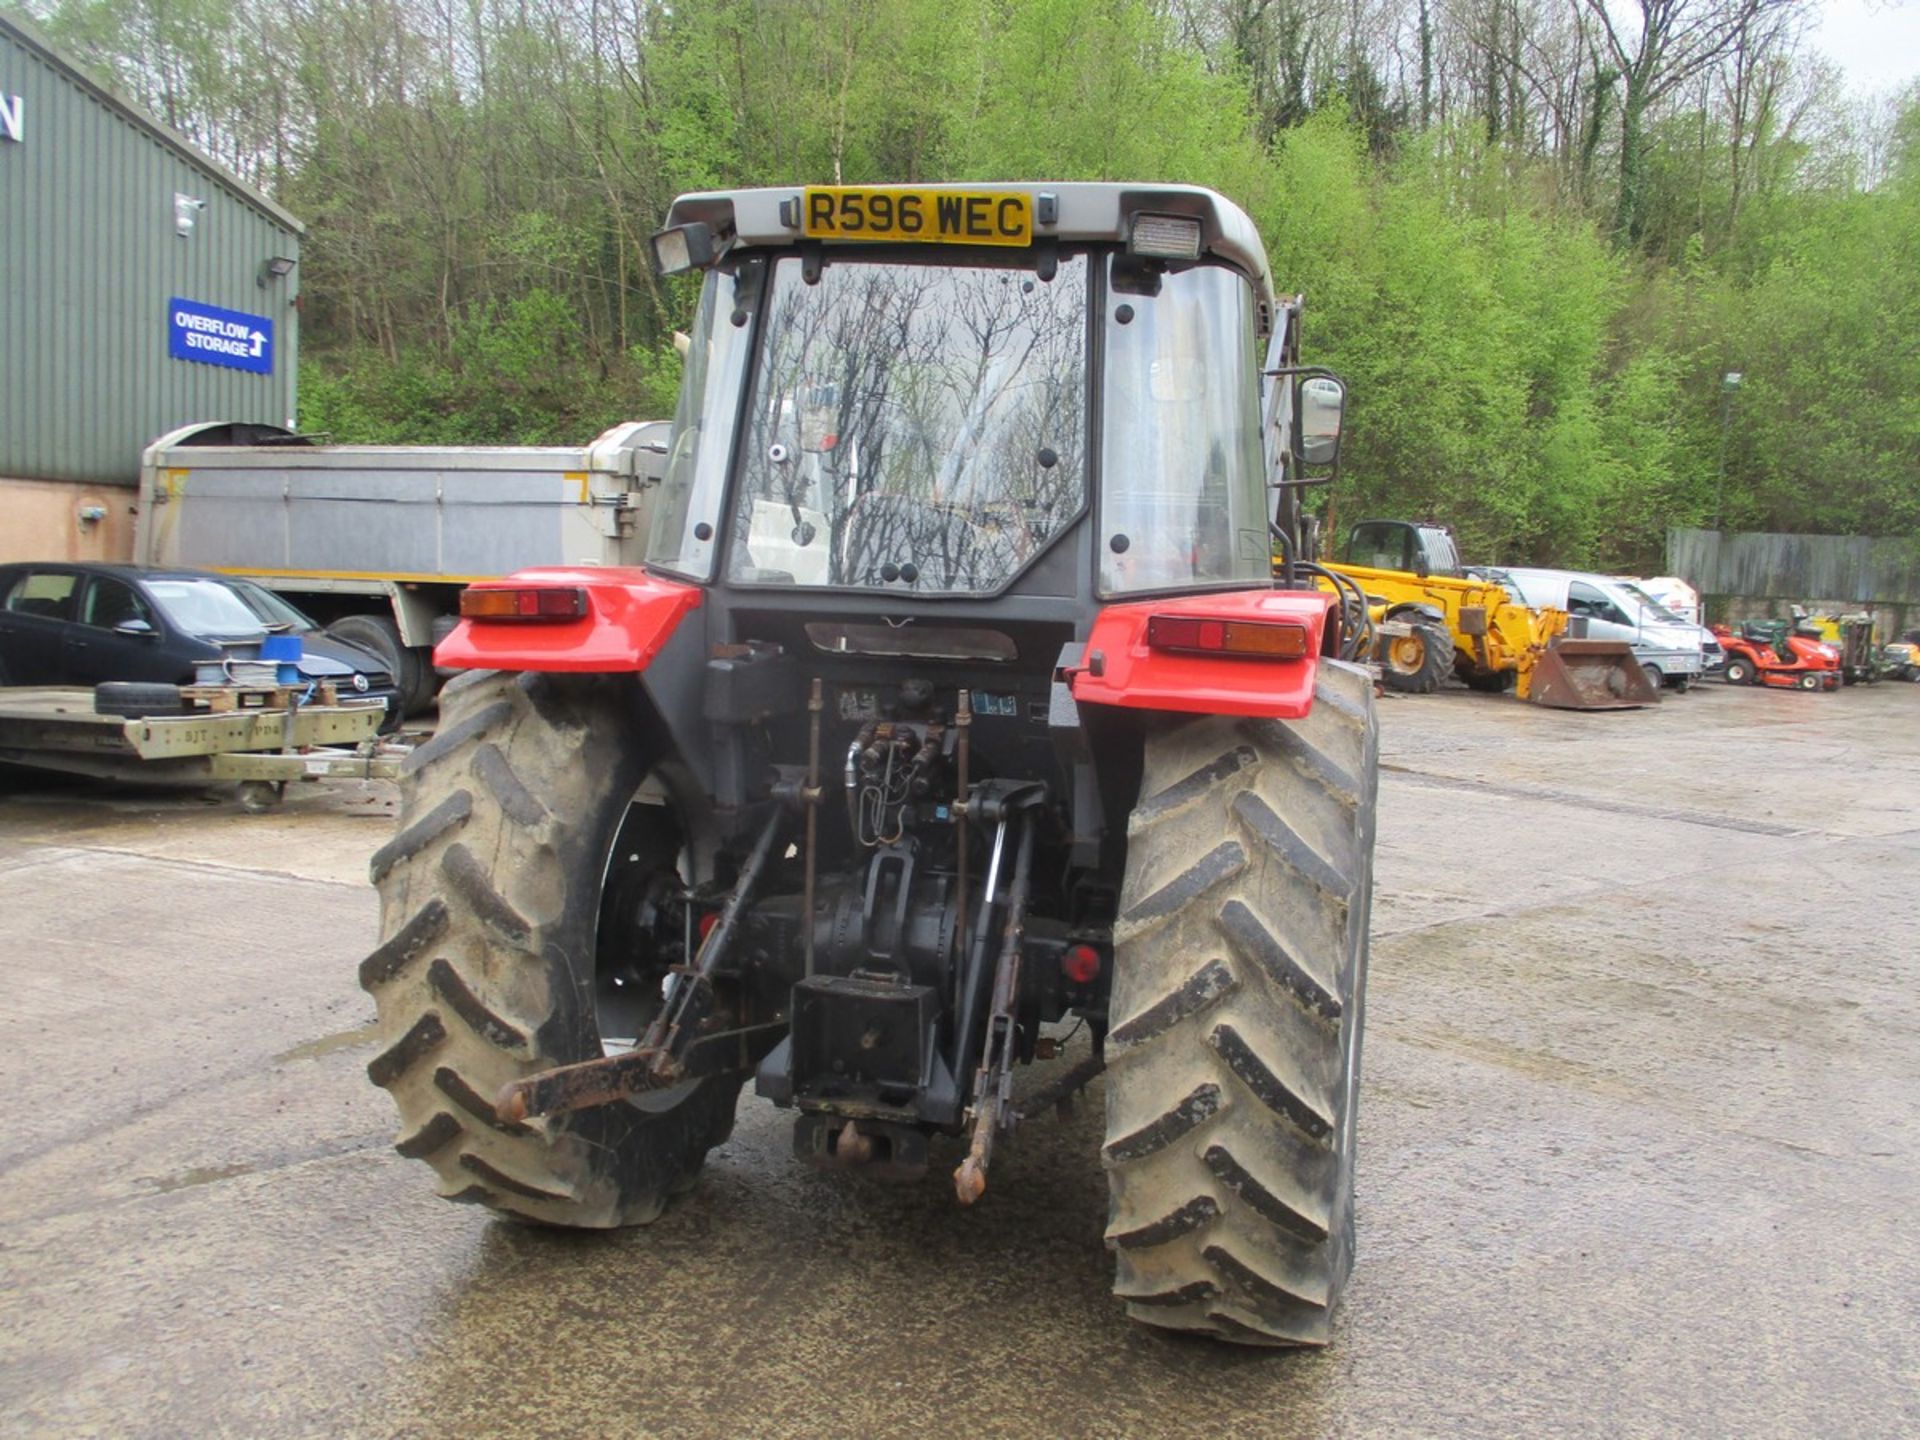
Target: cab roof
column 1084, row 211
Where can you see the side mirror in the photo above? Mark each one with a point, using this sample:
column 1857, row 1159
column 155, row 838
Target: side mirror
column 1319, row 401
column 135, row 627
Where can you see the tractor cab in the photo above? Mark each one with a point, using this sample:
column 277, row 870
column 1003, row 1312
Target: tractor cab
column 1046, row 396
column 1400, row 545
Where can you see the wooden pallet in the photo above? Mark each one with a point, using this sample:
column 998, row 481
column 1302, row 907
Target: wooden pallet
column 219, row 699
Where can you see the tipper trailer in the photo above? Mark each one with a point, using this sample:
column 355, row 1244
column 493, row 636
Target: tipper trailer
column 377, row 541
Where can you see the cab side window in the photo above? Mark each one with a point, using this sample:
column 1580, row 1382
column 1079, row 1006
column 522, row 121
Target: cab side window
column 1378, row 547
column 46, row 593
column 113, row 602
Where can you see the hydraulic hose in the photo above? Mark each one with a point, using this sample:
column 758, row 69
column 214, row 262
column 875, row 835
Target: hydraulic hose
column 1357, row 633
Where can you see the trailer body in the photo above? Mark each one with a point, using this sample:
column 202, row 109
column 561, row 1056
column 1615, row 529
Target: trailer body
column 384, row 537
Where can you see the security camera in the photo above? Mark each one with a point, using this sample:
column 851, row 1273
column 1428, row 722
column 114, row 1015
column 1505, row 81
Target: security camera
column 185, row 208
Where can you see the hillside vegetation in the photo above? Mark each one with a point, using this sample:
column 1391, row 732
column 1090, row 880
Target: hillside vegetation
column 1533, row 236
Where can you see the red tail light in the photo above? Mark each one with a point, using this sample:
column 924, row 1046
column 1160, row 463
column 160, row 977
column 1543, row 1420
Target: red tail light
column 1081, row 964
column 524, row 602
column 1244, row 639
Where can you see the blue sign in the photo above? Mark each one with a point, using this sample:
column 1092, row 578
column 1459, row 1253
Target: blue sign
column 219, row 337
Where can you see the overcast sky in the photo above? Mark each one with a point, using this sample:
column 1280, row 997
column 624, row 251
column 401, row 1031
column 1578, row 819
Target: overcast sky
column 1876, row 42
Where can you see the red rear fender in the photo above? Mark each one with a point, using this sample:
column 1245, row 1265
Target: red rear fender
column 630, row 615
column 1119, row 668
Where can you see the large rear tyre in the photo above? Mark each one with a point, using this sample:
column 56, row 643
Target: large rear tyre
column 491, row 922
column 1417, row 662
column 1238, row 996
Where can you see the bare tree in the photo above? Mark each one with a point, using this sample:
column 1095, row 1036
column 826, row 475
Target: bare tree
column 1752, row 79
column 1674, row 42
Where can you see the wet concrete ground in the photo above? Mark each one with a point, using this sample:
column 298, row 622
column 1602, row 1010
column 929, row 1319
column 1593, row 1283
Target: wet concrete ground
column 1638, row 1143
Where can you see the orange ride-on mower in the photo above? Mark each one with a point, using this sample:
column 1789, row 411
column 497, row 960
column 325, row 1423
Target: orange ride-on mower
column 1768, row 652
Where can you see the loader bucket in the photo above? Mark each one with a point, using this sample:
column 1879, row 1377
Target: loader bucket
column 1590, row 675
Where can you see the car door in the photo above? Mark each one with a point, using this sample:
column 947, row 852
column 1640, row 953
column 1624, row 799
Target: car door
column 34, row 616
column 1605, row 620
column 107, row 643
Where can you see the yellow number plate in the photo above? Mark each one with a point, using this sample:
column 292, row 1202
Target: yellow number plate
column 947, row 217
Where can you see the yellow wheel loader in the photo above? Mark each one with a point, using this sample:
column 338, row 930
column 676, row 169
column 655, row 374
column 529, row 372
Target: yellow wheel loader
column 1428, row 618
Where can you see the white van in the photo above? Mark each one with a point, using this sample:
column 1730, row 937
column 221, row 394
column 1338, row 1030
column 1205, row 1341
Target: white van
column 1672, row 651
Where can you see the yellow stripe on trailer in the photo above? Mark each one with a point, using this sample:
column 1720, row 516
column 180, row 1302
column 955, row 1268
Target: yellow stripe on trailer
column 398, row 577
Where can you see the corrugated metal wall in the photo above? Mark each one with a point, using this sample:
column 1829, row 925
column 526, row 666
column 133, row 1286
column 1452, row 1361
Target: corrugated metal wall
column 1852, row 569
column 88, row 261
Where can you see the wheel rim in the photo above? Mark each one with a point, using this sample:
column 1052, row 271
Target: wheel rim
column 1407, row 655
column 649, row 862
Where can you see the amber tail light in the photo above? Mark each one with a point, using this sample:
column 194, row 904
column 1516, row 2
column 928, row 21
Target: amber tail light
column 524, row 602
column 1242, row 639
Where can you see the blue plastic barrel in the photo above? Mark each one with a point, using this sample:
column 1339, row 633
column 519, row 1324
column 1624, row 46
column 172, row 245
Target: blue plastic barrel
column 285, row 651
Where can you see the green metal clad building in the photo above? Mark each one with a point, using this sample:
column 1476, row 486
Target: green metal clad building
column 142, row 286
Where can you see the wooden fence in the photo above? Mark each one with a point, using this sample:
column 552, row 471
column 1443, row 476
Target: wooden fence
column 1752, row 573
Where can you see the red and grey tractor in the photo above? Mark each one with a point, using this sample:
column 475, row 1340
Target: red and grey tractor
column 950, row 696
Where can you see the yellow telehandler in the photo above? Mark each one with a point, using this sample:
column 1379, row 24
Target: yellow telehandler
column 1430, row 619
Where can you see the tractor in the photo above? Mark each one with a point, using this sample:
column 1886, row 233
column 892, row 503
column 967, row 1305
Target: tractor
column 950, row 696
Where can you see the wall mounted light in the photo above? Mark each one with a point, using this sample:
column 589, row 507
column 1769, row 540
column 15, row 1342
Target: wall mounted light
column 276, row 268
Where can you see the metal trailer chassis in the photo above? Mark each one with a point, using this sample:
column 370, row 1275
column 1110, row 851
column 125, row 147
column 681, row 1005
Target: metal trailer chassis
column 56, row 728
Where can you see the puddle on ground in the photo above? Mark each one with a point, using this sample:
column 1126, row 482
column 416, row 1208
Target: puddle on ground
column 199, row 1175
column 327, row 1044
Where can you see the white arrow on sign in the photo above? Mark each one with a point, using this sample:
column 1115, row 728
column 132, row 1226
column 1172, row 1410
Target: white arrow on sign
column 258, row 340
